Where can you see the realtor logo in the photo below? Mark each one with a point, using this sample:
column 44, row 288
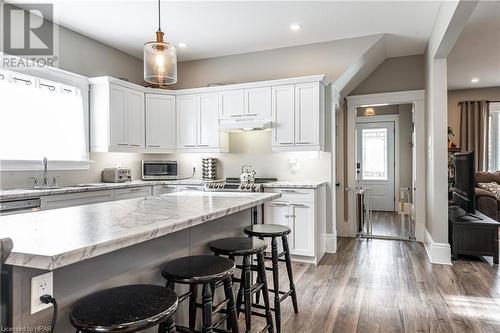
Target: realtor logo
column 29, row 33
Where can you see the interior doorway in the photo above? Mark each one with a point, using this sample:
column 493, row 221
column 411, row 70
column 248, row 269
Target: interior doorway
column 384, row 145
column 375, row 141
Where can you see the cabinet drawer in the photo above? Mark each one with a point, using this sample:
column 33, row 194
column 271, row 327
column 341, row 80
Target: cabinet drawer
column 293, row 195
column 131, row 193
column 75, row 199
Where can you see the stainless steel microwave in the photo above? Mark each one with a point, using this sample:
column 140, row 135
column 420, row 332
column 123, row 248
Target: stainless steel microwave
column 159, row 170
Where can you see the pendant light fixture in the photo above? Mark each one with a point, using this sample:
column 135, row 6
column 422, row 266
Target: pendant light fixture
column 369, row 112
column 160, row 59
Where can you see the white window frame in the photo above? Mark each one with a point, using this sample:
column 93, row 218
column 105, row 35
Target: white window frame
column 63, row 77
column 493, row 131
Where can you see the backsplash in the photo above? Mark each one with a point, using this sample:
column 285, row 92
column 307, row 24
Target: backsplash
column 252, row 148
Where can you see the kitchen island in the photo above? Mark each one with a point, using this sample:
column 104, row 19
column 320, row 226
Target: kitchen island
column 92, row 247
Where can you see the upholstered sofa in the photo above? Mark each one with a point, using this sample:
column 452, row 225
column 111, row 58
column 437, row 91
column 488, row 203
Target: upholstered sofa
column 486, row 200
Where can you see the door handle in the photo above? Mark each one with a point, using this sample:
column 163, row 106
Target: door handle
column 154, row 146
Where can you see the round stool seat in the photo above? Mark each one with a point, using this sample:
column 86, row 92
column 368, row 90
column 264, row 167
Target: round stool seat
column 127, row 308
column 267, row 230
column 197, row 269
column 237, row 246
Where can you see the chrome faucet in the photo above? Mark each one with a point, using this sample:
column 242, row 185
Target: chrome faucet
column 45, row 178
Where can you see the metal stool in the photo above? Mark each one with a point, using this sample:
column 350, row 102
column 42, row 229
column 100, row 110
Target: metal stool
column 129, row 308
column 246, row 247
column 207, row 271
column 274, row 231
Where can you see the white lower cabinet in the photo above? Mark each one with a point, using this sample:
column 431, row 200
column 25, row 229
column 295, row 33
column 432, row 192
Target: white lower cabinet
column 132, row 193
column 303, row 211
column 76, row 199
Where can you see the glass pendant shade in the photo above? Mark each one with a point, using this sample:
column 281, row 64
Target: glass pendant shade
column 160, row 62
column 369, row 112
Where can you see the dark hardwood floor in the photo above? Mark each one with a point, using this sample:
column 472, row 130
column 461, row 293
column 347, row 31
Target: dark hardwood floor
column 390, row 286
column 389, row 224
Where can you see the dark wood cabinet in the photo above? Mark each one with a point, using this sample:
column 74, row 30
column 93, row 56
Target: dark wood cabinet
column 472, row 236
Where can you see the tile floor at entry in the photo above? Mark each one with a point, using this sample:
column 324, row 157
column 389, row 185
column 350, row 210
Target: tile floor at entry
column 390, row 286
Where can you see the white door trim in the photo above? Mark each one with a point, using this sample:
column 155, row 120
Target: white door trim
column 395, row 119
column 415, row 97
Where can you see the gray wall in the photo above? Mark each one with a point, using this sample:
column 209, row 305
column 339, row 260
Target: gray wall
column 330, row 58
column 394, row 74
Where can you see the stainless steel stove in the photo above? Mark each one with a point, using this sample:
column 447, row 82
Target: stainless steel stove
column 234, row 185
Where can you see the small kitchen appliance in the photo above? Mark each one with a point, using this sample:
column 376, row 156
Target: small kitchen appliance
column 116, row 175
column 209, row 168
column 159, row 170
column 247, row 174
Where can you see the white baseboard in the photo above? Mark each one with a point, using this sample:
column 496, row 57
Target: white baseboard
column 331, row 243
column 438, row 253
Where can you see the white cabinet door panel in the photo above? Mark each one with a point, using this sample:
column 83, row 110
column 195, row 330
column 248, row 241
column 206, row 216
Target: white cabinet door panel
column 75, row 199
column 283, row 109
column 258, row 102
column 306, row 114
column 186, row 121
column 135, row 118
column 160, row 122
column 232, row 104
column 208, row 110
column 302, row 217
column 276, row 213
column 118, row 116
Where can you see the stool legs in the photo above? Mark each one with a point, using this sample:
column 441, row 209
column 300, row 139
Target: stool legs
column 265, row 292
column 232, row 321
column 193, row 289
column 288, row 262
column 247, row 292
column 276, row 283
column 207, row 308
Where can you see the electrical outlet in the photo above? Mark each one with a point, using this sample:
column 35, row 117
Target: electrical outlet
column 41, row 285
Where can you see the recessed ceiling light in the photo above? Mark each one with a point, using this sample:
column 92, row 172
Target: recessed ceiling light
column 182, row 45
column 295, row 27
column 474, row 80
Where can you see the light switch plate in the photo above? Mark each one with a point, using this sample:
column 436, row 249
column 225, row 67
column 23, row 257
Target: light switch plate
column 41, row 285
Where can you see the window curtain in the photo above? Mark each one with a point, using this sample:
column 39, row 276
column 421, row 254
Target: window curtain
column 474, row 131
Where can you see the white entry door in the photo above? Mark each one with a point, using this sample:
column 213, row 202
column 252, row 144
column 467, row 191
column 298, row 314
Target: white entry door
column 375, row 163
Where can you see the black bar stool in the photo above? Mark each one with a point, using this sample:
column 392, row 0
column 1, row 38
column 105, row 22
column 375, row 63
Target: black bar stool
column 274, row 231
column 207, row 271
column 246, row 247
column 129, row 308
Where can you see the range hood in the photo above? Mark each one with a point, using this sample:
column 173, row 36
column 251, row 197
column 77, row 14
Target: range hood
column 246, row 125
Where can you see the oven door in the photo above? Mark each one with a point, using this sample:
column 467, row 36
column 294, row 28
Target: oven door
column 159, row 170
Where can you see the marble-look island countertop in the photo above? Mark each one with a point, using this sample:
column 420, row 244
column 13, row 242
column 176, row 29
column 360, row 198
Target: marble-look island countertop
column 55, row 238
column 294, row 184
column 26, row 193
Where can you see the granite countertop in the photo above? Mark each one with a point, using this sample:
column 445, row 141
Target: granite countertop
column 56, row 238
column 294, row 184
column 31, row 193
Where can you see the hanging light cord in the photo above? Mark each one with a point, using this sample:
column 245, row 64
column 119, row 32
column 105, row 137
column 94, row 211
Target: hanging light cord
column 159, row 19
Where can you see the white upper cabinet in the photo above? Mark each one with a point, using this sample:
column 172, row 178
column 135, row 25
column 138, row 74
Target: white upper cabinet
column 116, row 116
column 258, row 102
column 135, row 118
column 307, row 113
column 232, row 104
column 198, row 124
column 187, row 121
column 283, row 109
column 298, row 117
column 160, row 123
column 208, row 130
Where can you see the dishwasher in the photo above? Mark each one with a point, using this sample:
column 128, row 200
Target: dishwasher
column 19, row 206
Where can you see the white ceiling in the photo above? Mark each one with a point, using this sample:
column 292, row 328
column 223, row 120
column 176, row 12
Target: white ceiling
column 477, row 51
column 214, row 29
